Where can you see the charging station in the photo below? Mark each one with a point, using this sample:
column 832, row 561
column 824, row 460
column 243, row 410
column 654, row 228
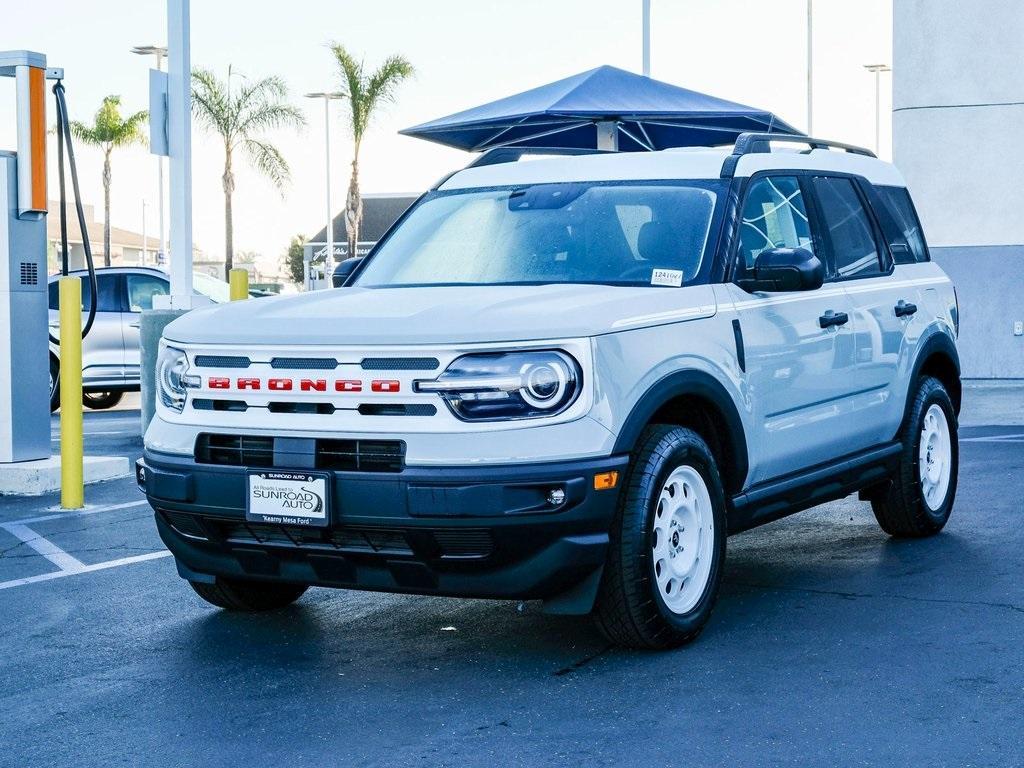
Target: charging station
column 24, row 364
column 26, row 466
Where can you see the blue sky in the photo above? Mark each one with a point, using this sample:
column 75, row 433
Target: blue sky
column 466, row 52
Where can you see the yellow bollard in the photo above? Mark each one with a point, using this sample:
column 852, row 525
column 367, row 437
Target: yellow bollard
column 72, row 490
column 239, row 280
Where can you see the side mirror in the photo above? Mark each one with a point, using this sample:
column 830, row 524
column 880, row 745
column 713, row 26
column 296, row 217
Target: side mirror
column 785, row 269
column 343, row 270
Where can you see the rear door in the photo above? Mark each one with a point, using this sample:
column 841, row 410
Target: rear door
column 863, row 267
column 103, row 348
column 140, row 288
column 798, row 373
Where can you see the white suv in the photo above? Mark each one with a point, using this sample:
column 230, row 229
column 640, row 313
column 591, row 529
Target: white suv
column 569, row 379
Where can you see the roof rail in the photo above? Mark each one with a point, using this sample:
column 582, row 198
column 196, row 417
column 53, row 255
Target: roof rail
column 758, row 143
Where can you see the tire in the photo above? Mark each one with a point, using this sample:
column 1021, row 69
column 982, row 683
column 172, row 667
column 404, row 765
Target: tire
column 54, row 384
column 650, row 548
column 248, row 596
column 919, row 497
column 101, row 401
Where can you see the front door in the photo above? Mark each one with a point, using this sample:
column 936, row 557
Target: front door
column 798, row 345
column 140, row 290
column 103, row 348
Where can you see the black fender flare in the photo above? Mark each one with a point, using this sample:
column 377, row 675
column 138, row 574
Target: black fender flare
column 698, row 384
column 937, row 343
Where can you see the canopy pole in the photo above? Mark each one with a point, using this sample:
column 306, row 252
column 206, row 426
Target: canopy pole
column 608, row 135
column 646, row 22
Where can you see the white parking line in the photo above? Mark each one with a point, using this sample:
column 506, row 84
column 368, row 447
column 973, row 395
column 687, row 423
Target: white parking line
column 67, row 563
column 85, row 569
column 1014, row 438
column 44, row 547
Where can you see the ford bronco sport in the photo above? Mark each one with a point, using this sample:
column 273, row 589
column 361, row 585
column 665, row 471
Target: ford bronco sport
column 569, row 379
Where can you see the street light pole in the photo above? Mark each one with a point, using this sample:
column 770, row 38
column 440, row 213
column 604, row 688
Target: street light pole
column 646, row 37
column 877, row 70
column 810, row 67
column 159, row 51
column 327, row 97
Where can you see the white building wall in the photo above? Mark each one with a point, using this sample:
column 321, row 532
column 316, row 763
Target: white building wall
column 958, row 126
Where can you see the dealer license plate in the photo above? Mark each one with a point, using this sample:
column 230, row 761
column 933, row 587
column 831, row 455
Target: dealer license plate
column 288, row 498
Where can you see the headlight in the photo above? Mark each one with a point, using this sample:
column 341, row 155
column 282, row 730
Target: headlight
column 508, row 385
column 172, row 377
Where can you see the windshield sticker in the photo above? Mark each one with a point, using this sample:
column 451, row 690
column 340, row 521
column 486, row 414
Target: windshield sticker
column 670, row 277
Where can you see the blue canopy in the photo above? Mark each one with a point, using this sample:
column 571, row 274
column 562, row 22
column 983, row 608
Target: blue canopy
column 596, row 109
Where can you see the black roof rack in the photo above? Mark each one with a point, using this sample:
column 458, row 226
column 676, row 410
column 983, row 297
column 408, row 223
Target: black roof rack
column 758, row 143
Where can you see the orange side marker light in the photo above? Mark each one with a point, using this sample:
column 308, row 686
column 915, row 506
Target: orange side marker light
column 605, row 481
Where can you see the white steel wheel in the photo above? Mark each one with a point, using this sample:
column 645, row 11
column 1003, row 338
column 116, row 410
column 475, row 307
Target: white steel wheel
column 934, row 457
column 683, row 539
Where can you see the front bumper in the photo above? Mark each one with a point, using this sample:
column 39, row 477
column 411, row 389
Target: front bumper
column 484, row 532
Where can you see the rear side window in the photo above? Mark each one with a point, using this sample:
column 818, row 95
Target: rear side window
column 107, row 300
column 142, row 289
column 912, row 248
column 848, row 228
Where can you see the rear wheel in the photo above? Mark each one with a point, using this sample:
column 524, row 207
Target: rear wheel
column 100, row 401
column 919, row 498
column 54, row 384
column 248, row 596
column 667, row 544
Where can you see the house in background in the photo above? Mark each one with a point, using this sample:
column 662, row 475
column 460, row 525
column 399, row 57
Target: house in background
column 380, row 211
column 125, row 245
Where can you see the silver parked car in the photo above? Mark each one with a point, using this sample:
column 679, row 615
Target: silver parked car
column 110, row 353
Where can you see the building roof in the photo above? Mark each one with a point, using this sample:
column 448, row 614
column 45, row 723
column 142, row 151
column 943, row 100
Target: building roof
column 379, row 213
column 119, row 237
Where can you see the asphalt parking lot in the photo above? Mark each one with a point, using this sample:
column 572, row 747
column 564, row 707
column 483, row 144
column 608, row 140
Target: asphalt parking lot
column 831, row 645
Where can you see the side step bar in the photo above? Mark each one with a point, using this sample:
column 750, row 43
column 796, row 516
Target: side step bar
column 776, row 499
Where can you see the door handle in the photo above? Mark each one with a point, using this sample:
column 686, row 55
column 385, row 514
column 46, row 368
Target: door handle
column 904, row 309
column 831, row 318
column 133, row 325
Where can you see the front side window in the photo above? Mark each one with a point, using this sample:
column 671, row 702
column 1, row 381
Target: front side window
column 585, row 232
column 774, row 216
column 142, row 289
column 848, row 228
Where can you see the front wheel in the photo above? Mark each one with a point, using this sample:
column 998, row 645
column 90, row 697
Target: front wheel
column 919, row 498
column 248, row 596
column 666, row 545
column 54, row 384
column 101, row 401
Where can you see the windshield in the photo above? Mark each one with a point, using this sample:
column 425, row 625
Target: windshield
column 632, row 233
column 217, row 290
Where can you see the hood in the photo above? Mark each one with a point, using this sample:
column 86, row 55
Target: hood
column 440, row 315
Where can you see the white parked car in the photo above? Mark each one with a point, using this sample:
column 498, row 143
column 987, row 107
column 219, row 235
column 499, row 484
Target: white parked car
column 569, row 380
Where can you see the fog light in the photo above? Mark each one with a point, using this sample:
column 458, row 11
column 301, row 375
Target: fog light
column 556, row 497
column 605, row 481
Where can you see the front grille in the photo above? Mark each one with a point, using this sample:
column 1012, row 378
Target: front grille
column 206, row 404
column 397, row 409
column 337, row 455
column 360, row 455
column 235, row 450
column 378, row 541
column 305, row 363
column 400, row 364
column 464, row 543
column 222, row 361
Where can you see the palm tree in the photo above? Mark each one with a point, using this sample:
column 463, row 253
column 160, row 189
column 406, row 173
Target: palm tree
column 239, row 116
column 108, row 132
column 365, row 91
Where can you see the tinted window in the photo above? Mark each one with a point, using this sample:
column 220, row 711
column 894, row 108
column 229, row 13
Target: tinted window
column 142, row 289
column 848, row 228
column 774, row 216
column 902, row 209
column 108, row 300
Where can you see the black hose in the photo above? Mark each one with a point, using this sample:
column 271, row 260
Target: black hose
column 64, row 134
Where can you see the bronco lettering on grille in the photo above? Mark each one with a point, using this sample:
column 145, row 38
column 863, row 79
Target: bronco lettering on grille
column 304, row 385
